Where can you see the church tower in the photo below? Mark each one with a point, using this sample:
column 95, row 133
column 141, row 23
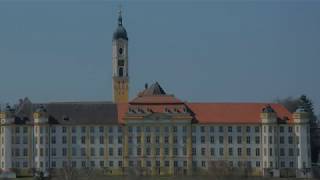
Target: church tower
column 120, row 75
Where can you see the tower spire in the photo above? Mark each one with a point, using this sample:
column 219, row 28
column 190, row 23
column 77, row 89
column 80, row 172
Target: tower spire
column 120, row 16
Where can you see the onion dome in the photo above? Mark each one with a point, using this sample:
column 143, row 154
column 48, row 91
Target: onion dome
column 120, row 32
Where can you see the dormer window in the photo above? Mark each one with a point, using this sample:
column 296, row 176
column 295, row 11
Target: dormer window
column 167, row 110
column 185, row 110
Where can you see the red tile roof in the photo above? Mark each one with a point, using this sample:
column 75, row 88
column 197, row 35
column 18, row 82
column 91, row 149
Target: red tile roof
column 234, row 112
column 224, row 113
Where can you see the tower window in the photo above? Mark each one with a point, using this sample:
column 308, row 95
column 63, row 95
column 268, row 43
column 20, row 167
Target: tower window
column 121, row 71
column 120, row 62
column 120, row 50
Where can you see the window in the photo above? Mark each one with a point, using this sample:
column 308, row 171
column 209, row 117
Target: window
column 175, row 139
column 119, row 139
column 212, row 129
column 212, row 139
column 221, row 151
column 202, row 129
column 257, row 139
column 74, row 129
column 83, row 129
column 166, row 151
column 158, row 139
column 203, row 163
column 25, row 152
column 282, row 153
column 139, row 151
column 283, row 164
column 175, row 163
column 291, row 164
column 101, row 163
column 53, row 152
column 203, row 151
column 110, row 151
column 230, row 152
column 119, row 151
column 175, row 151
column 184, row 129
column 257, row 151
column 257, row 129
column 101, row 139
column 74, row 151
column 248, row 152
column 110, row 139
column 111, row 130
column 281, row 129
column 64, row 139
column 148, row 129
column 184, row 139
column 157, row 151
column 74, row 140
column 239, row 139
column 194, row 139
column 270, row 139
column 230, row 139
column 25, row 140
column 91, row 139
column 64, row 129
column 290, row 151
column 281, row 139
column 270, row 151
column 239, row 129
column 101, row 152
column 212, row 151
column 248, row 139
column 290, row 140
column 221, row 139
column 203, row 139
column 138, row 139
column 25, row 130
column 83, row 139
column 290, row 129
column 166, row 163
column 221, row 129
column 194, row 151
column 64, row 152
column 239, row 151
column 248, row 129
column 174, row 129
column 230, row 129
column 148, row 139
column 166, row 139
column 101, row 130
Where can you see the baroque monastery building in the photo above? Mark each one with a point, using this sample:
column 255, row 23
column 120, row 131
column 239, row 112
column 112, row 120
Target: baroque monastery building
column 153, row 134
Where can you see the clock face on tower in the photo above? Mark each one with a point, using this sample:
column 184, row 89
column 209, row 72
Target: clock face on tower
column 120, row 50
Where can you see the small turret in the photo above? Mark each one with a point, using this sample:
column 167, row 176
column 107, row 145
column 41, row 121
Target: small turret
column 268, row 115
column 40, row 115
column 301, row 115
column 7, row 116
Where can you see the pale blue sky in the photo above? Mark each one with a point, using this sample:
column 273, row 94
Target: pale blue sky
column 213, row 51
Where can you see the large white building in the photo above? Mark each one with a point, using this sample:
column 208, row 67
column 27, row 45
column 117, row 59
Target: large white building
column 154, row 133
